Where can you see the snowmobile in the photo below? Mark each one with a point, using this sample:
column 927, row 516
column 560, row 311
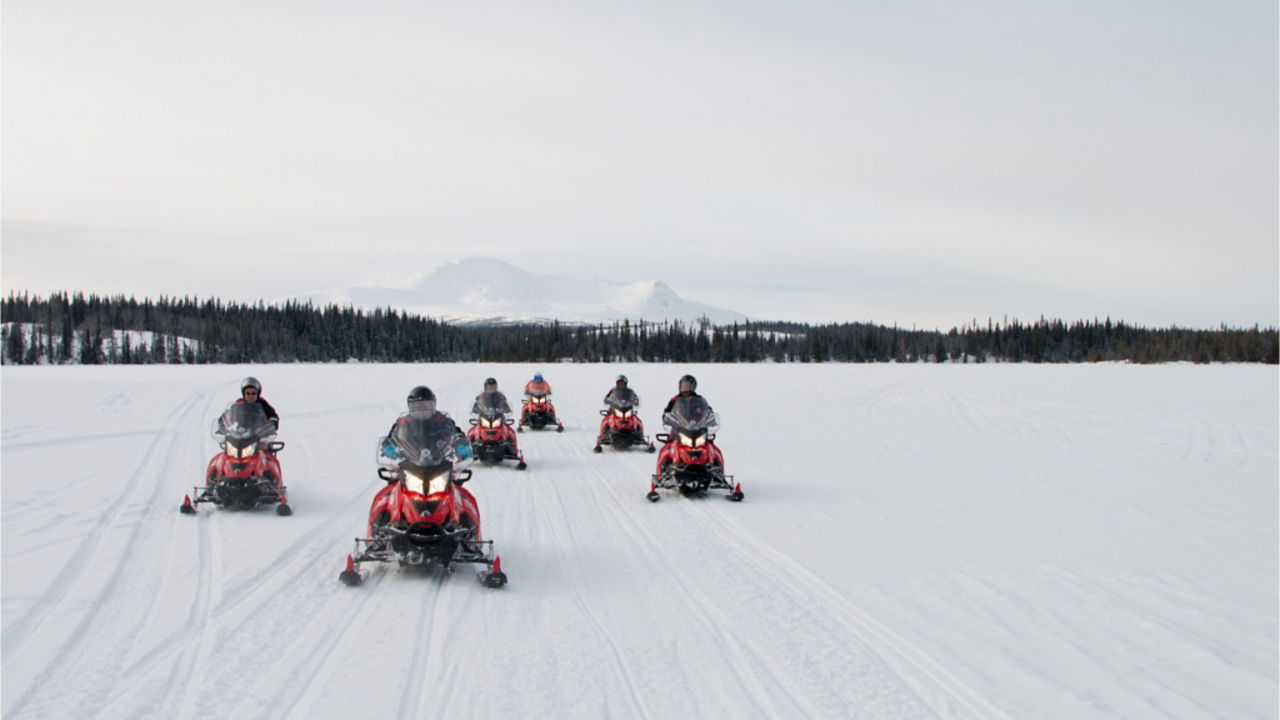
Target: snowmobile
column 538, row 412
column 621, row 427
column 490, row 433
column 689, row 460
column 424, row 517
column 246, row 472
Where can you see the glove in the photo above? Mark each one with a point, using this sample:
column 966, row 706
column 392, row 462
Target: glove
column 389, row 451
column 464, row 452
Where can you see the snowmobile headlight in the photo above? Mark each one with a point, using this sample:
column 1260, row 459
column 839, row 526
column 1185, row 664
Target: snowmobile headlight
column 692, row 441
column 415, row 484
column 485, row 422
column 240, row 453
column 622, row 413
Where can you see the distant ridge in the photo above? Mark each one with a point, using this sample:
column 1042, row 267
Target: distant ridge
column 485, row 291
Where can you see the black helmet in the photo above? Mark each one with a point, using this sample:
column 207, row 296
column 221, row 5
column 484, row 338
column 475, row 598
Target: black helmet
column 622, row 379
column 688, row 383
column 250, row 382
column 421, row 399
column 490, row 382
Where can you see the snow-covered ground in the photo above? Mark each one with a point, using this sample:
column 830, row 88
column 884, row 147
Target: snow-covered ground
column 970, row 541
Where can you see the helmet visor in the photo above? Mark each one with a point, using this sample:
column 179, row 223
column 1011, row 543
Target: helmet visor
column 422, row 406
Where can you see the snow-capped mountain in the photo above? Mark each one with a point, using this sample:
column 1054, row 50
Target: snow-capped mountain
column 484, row 290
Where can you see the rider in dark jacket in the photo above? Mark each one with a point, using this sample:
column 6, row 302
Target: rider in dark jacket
column 251, row 391
column 422, row 406
column 620, row 392
column 687, row 386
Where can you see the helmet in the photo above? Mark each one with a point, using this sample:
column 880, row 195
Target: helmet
column 622, row 379
column 250, row 382
column 490, row 384
column 537, row 377
column 688, row 383
column 421, row 399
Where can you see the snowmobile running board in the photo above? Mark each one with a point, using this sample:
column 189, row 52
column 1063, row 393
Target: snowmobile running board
column 493, row 577
column 189, row 506
column 734, row 496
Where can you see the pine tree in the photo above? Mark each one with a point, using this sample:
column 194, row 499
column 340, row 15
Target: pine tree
column 15, row 349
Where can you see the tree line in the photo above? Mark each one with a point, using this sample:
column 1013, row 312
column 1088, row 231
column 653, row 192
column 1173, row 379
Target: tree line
column 66, row 328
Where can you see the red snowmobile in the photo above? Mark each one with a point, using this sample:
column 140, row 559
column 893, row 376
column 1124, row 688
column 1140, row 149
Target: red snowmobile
column 689, row 460
column 621, row 427
column 246, row 473
column 424, row 517
column 490, row 434
column 538, row 412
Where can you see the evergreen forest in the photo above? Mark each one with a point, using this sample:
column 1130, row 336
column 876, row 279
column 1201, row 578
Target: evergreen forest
column 66, row 328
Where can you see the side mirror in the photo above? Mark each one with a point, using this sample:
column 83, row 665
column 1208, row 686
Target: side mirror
column 475, row 421
column 711, row 438
column 509, row 422
column 388, row 474
column 605, row 412
column 662, row 437
column 275, row 446
column 463, row 476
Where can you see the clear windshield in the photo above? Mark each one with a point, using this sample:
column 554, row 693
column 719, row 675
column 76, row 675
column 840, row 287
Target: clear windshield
column 692, row 414
column 491, row 405
column 244, row 421
column 422, row 439
column 623, row 398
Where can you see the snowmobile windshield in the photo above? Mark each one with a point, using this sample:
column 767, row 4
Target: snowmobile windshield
column 692, row 414
column 422, row 440
column 243, row 421
column 622, row 398
column 491, row 405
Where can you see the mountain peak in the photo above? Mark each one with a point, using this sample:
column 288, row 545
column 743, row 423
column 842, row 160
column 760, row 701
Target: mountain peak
column 489, row 290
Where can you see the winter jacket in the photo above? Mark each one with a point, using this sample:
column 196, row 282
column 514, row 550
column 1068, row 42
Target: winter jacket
column 266, row 408
column 672, row 402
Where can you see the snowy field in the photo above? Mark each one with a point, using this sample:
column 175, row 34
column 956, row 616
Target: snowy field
column 917, row 541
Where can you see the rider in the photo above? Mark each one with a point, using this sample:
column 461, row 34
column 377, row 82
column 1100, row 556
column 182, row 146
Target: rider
column 537, row 386
column 251, row 392
column 493, row 398
column 687, row 386
column 620, row 392
column 422, row 407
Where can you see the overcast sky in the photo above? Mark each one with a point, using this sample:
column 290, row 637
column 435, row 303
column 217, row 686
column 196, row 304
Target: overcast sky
column 924, row 163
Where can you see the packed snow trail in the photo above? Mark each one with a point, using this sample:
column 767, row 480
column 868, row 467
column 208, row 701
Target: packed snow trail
column 916, row 542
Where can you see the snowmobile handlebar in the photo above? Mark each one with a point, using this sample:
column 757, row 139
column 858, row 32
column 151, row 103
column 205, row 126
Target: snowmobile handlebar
column 390, row 475
column 666, row 437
